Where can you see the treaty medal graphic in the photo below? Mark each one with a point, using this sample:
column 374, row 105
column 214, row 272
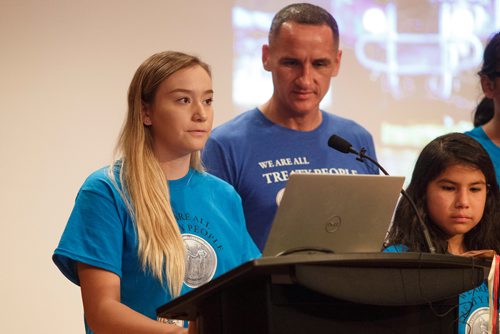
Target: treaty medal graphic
column 201, row 261
column 478, row 321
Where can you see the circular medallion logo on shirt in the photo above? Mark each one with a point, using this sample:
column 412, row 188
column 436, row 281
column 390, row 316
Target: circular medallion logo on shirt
column 478, row 321
column 201, row 261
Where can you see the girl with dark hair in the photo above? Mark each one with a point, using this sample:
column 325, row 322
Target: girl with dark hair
column 456, row 192
column 487, row 114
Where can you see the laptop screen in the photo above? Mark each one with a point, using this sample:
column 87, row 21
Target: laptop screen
column 334, row 213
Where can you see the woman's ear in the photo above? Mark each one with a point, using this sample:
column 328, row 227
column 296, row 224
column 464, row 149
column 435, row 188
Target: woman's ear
column 146, row 114
column 488, row 86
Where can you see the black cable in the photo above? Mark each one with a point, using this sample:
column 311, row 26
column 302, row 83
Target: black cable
column 432, row 248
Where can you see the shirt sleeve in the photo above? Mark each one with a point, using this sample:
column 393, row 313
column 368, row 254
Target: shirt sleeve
column 94, row 232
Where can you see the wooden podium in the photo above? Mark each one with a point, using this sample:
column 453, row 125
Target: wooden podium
column 337, row 293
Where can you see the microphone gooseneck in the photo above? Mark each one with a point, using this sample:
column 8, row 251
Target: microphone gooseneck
column 342, row 145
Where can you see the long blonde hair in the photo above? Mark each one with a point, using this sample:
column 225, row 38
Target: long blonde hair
column 144, row 185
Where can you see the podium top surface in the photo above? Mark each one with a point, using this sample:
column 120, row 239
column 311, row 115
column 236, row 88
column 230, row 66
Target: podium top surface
column 407, row 259
column 285, row 266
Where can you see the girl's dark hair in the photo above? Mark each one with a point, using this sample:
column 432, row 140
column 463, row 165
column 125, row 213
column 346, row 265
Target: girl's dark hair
column 484, row 112
column 491, row 58
column 490, row 69
column 439, row 154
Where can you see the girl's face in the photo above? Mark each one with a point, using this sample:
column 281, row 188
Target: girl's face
column 491, row 88
column 181, row 114
column 456, row 199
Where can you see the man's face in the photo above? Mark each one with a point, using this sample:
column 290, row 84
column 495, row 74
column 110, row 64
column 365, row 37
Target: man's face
column 302, row 59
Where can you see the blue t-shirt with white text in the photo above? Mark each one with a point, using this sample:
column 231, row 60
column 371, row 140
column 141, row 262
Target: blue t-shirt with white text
column 257, row 156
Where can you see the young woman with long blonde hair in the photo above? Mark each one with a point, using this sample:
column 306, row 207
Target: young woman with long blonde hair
column 154, row 225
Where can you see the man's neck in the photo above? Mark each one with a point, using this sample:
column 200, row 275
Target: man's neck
column 300, row 122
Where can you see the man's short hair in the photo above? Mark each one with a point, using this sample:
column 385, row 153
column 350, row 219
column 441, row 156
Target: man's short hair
column 304, row 13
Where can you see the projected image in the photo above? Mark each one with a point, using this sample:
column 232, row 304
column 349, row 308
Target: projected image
column 440, row 56
column 408, row 73
column 427, row 56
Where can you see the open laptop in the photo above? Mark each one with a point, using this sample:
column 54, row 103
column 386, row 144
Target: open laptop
column 334, row 213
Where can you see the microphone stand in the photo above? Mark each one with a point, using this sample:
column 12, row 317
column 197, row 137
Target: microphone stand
column 361, row 156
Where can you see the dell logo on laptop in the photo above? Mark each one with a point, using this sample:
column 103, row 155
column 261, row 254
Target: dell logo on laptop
column 333, row 224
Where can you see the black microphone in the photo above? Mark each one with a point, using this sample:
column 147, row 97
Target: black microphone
column 342, row 145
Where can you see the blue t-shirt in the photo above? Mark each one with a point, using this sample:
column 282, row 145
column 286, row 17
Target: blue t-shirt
column 100, row 232
column 490, row 147
column 256, row 156
column 473, row 308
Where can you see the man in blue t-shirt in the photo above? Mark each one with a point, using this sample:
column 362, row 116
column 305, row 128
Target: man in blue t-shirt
column 258, row 150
